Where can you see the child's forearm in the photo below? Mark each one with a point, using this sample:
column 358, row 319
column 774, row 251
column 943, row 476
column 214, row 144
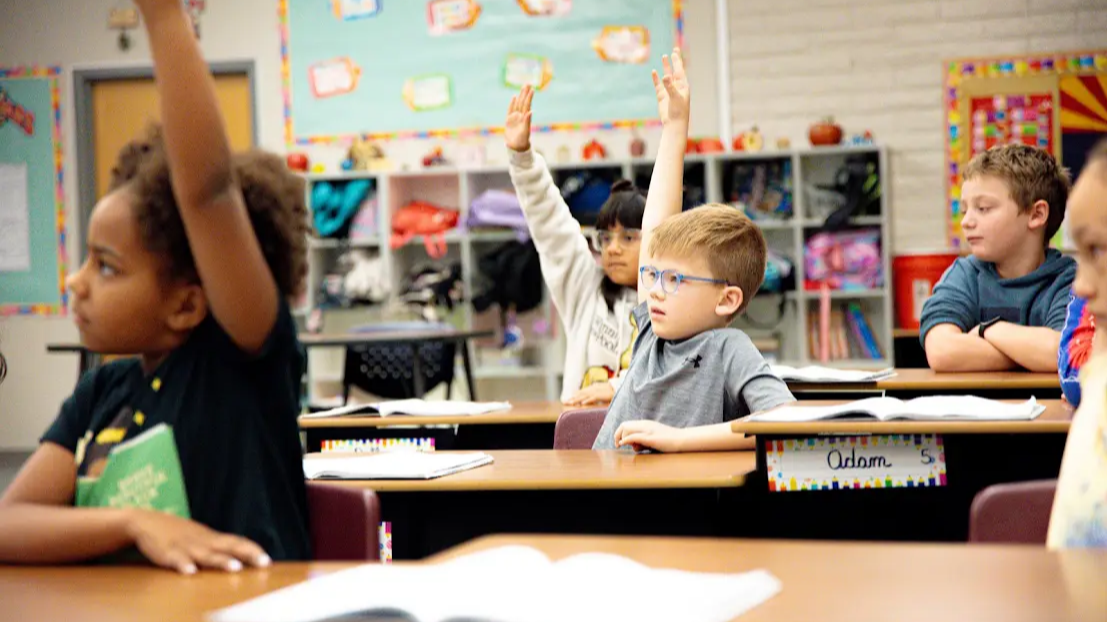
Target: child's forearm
column 665, row 195
column 1034, row 348
column 949, row 350
column 713, row 438
column 43, row 534
column 196, row 142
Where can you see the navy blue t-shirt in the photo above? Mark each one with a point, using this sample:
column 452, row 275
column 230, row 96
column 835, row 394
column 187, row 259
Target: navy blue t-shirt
column 233, row 416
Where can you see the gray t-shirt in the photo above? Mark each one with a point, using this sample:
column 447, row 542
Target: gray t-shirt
column 710, row 378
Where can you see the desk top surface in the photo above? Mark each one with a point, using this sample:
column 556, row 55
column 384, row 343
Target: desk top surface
column 925, row 379
column 523, row 412
column 1055, row 419
column 522, row 470
column 822, row 580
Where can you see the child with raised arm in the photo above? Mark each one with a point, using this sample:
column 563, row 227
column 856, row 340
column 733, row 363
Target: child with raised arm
column 690, row 374
column 193, row 255
column 594, row 302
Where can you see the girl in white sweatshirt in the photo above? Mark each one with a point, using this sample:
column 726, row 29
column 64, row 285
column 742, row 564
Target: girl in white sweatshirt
column 594, row 302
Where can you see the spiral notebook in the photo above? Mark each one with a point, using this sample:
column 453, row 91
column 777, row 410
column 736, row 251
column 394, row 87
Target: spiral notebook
column 392, row 465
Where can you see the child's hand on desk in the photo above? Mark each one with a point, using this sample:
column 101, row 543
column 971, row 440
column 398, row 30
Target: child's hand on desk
column 649, row 434
column 185, row 545
column 594, row 394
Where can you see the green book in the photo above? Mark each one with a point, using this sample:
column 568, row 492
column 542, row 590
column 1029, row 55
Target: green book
column 144, row 472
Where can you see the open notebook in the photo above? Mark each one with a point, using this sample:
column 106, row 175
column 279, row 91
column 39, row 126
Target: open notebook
column 392, row 465
column 413, row 406
column 927, row 408
column 821, row 374
column 513, row 583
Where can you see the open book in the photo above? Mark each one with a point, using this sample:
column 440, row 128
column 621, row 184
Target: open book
column 927, row 408
column 392, row 465
column 821, row 374
column 413, row 406
column 513, row 583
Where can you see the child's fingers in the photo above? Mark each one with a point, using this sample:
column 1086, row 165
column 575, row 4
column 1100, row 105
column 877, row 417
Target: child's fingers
column 526, row 119
column 511, row 106
column 678, row 62
column 213, row 559
column 656, row 80
column 175, row 559
column 530, row 97
column 243, row 549
column 669, row 88
column 666, row 66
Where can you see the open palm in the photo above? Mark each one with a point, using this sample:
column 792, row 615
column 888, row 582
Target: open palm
column 672, row 89
column 517, row 126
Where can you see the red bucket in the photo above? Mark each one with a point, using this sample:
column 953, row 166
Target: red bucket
column 914, row 277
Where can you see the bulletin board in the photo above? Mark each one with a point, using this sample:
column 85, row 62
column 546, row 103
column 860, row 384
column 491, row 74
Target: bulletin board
column 382, row 69
column 1057, row 102
column 32, row 206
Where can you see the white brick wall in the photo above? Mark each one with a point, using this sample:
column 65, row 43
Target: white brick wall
column 877, row 64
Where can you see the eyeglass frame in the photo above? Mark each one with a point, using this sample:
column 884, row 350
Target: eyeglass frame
column 680, row 278
column 596, row 234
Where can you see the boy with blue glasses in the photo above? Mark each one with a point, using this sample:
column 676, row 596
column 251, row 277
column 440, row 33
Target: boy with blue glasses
column 698, row 270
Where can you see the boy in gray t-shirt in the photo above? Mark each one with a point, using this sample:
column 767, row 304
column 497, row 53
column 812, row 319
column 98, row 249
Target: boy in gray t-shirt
column 690, row 374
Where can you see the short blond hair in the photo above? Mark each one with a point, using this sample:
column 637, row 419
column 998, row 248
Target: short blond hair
column 734, row 247
column 1031, row 174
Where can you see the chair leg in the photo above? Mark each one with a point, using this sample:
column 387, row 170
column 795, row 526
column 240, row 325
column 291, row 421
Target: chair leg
column 466, row 360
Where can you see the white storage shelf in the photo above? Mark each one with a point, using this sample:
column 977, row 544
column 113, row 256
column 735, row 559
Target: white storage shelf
column 456, row 188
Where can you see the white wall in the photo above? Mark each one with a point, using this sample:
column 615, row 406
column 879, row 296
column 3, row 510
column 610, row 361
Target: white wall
column 74, row 33
column 877, row 64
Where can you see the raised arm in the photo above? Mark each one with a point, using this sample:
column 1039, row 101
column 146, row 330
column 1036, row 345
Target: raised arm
column 567, row 262
column 666, row 184
column 241, row 291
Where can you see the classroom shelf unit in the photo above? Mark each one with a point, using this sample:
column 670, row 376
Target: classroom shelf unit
column 535, row 372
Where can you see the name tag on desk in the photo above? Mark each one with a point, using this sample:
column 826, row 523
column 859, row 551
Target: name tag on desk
column 856, row 462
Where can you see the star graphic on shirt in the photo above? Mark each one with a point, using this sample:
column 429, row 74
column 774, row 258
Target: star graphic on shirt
column 695, row 361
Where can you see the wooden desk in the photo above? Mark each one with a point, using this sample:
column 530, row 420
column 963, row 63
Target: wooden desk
column 912, row 382
column 824, row 581
column 529, row 425
column 568, row 491
column 540, row 470
column 875, row 581
column 1056, row 419
column 977, row 455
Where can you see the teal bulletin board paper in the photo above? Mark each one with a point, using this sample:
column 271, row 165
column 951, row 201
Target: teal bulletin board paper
column 41, row 289
column 363, row 63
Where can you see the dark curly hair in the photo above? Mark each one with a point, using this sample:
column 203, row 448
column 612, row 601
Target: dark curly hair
column 274, row 199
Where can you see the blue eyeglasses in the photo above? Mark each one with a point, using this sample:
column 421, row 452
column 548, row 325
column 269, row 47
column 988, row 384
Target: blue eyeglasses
column 671, row 279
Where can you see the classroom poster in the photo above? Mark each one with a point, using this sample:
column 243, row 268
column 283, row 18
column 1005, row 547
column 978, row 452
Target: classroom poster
column 399, row 69
column 32, row 208
column 1057, row 102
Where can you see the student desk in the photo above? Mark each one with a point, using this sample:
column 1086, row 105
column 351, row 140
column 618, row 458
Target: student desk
column 977, row 454
column 527, row 425
column 823, row 581
column 565, row 491
column 914, row 382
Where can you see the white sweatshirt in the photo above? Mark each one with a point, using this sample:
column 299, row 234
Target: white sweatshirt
column 599, row 341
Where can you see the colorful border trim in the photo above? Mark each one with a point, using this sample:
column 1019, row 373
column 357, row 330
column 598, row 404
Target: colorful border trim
column 776, row 448
column 53, row 74
column 1062, row 63
column 291, row 139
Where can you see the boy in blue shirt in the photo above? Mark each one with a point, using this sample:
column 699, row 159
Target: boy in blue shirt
column 1004, row 307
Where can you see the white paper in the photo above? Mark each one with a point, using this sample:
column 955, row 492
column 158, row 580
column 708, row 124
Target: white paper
column 413, row 406
column 926, row 408
column 516, row 584
column 392, row 465
column 15, row 232
column 820, row 374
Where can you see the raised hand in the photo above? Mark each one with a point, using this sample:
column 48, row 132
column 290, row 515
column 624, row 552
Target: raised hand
column 672, row 89
column 517, row 125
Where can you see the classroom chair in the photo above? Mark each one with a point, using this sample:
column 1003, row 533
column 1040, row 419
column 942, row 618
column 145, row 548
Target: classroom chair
column 344, row 522
column 577, row 430
column 385, row 370
column 1016, row 512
